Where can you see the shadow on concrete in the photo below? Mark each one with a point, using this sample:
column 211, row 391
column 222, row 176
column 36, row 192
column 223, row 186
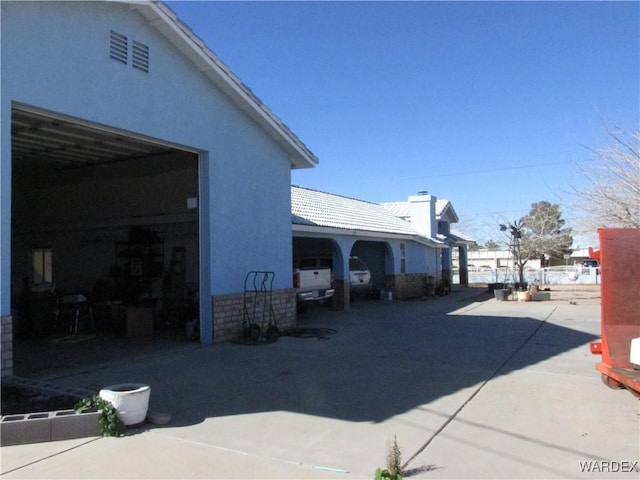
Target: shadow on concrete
column 386, row 358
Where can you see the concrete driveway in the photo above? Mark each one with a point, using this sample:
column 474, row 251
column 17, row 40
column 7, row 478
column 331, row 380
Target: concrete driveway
column 470, row 387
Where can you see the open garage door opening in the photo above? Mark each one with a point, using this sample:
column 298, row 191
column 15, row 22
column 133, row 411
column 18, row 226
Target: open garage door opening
column 105, row 229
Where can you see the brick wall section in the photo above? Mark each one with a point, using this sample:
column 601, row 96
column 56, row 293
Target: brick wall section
column 6, row 329
column 228, row 312
column 408, row 285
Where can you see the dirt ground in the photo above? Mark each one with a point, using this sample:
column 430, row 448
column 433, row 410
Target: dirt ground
column 579, row 294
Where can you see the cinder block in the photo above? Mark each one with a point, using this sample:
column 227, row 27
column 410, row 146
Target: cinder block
column 22, row 429
column 47, row 426
column 67, row 424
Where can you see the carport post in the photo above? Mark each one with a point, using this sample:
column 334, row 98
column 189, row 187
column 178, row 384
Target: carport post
column 463, row 268
column 341, row 300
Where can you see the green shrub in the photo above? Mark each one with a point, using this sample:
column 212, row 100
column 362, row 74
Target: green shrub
column 109, row 422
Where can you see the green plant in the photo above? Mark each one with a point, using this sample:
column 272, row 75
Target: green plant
column 110, row 423
column 393, row 463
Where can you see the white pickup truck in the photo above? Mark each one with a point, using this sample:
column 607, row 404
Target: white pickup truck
column 359, row 276
column 313, row 281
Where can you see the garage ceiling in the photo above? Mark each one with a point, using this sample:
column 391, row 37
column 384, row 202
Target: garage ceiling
column 40, row 142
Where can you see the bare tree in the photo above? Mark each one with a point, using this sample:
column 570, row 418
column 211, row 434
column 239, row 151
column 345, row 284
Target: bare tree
column 545, row 232
column 491, row 245
column 612, row 196
column 539, row 234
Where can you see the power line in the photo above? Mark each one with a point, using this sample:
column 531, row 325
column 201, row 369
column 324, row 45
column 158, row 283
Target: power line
column 486, row 170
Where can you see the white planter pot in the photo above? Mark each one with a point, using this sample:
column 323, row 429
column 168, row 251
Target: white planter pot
column 130, row 400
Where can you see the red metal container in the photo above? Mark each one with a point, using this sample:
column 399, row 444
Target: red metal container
column 620, row 311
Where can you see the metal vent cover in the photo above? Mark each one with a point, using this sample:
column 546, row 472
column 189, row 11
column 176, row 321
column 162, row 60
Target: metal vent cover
column 119, row 47
column 140, row 56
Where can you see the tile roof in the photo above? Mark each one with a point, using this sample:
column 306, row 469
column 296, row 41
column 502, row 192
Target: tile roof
column 401, row 209
column 311, row 207
column 316, row 208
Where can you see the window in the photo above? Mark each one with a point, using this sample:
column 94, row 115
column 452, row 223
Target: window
column 403, row 258
column 42, row 264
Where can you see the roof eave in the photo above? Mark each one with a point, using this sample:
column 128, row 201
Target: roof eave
column 452, row 212
column 161, row 17
column 368, row 234
column 430, row 242
column 461, row 239
column 329, row 231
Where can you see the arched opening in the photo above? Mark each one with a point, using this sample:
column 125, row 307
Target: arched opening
column 375, row 257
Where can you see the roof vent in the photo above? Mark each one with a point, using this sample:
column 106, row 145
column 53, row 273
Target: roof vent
column 118, row 47
column 140, row 56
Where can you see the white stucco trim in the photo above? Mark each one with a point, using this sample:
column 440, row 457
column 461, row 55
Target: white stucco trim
column 447, row 213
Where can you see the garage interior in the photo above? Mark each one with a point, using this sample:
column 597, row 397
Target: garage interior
column 104, row 231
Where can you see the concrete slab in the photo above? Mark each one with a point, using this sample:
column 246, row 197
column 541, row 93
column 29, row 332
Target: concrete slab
column 535, row 425
column 477, row 388
column 156, row 455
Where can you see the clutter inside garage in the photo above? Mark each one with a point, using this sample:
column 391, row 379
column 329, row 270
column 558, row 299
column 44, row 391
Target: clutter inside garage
column 104, row 232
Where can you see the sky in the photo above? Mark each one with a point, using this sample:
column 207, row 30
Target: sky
column 490, row 105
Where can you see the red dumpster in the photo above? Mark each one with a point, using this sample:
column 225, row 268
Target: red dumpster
column 620, row 306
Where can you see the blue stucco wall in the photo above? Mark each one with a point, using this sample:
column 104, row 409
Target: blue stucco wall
column 422, row 259
column 55, row 57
